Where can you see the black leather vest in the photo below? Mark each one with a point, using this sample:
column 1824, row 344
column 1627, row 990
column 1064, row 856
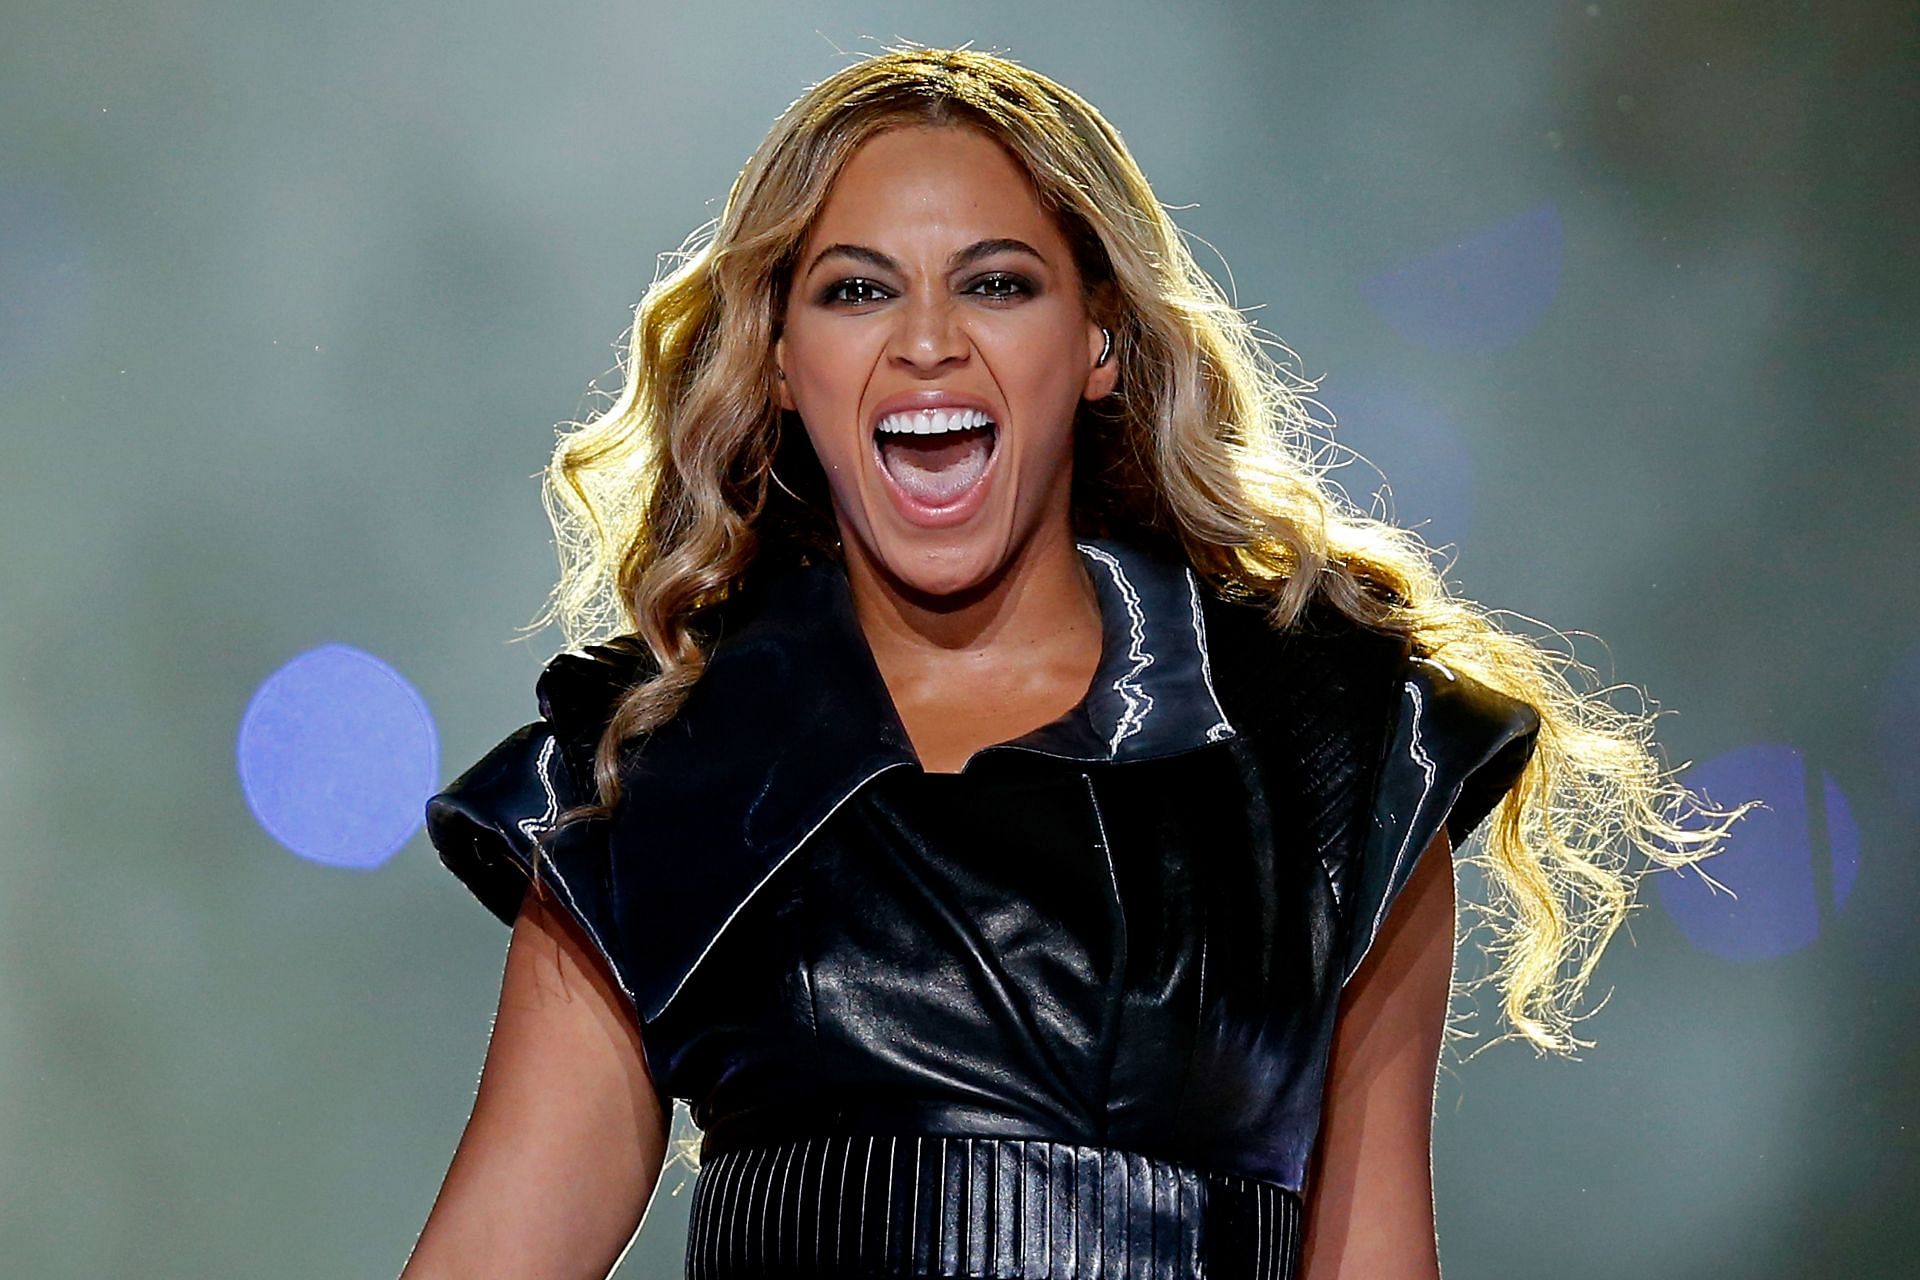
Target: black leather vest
column 1124, row 933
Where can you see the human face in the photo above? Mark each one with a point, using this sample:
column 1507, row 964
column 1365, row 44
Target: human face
column 932, row 277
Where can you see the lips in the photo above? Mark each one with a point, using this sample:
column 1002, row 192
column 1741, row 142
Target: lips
column 935, row 455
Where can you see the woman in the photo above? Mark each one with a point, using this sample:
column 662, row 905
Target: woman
column 1017, row 810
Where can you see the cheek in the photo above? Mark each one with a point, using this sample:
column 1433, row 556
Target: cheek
column 834, row 449
column 1041, row 375
column 1036, row 353
column 827, row 378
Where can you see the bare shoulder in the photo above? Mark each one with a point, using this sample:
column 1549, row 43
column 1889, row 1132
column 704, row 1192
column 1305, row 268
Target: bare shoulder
column 559, row 1159
column 1370, row 1194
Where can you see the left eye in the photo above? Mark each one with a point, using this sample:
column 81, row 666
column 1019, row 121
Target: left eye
column 1002, row 286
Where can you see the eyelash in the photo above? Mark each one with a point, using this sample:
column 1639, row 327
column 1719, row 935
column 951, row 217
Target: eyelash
column 1019, row 287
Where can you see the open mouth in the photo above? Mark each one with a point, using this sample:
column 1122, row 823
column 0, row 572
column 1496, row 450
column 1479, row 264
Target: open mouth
column 935, row 456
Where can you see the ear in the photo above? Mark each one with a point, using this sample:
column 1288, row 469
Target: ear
column 1101, row 379
column 782, row 394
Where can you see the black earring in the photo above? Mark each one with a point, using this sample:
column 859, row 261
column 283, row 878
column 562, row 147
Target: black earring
column 1106, row 347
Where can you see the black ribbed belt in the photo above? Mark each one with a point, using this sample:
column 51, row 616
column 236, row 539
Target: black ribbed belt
column 907, row 1205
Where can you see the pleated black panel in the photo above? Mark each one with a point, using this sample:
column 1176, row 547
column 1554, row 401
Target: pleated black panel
column 904, row 1205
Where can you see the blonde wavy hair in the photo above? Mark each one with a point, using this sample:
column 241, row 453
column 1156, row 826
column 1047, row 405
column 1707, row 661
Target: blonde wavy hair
column 667, row 502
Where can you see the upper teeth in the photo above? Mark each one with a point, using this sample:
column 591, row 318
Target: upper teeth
column 927, row 422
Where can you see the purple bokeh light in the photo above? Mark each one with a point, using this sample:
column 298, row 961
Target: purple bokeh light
column 1410, row 449
column 1484, row 291
column 1789, row 867
column 337, row 754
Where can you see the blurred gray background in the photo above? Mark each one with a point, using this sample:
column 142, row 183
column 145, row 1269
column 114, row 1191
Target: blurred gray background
column 1619, row 297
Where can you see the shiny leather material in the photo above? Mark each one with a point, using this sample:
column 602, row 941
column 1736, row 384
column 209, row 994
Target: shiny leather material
column 793, row 693
column 1128, row 929
column 912, row 1205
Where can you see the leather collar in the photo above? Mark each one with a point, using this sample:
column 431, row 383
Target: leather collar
column 792, row 717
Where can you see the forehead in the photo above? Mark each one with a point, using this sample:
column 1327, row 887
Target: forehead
column 948, row 181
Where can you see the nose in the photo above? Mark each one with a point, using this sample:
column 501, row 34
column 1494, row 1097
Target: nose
column 929, row 336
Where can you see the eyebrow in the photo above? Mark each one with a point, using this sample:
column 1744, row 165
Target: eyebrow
column 961, row 257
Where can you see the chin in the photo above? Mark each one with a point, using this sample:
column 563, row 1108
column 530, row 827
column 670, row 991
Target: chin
column 949, row 563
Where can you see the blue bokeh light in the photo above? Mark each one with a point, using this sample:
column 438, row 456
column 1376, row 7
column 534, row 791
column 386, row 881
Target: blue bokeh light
column 1484, row 291
column 337, row 754
column 1412, row 452
column 1790, row 868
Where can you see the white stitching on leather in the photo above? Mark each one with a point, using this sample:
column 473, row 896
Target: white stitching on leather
column 1139, row 701
column 1224, row 728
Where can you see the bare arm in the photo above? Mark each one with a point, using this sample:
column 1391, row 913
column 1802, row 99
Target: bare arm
column 567, row 1136
column 1370, row 1200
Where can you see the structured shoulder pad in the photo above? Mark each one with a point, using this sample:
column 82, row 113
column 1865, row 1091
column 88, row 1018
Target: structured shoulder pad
column 487, row 823
column 1454, row 747
column 1314, row 704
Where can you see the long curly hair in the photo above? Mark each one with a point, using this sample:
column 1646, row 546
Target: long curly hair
column 692, row 482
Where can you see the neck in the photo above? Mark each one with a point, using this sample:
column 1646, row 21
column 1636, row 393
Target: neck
column 1033, row 626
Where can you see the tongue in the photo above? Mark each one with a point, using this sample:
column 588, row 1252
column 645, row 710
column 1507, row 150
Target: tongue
column 936, row 469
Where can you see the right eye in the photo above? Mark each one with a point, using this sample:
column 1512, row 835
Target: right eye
column 848, row 291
